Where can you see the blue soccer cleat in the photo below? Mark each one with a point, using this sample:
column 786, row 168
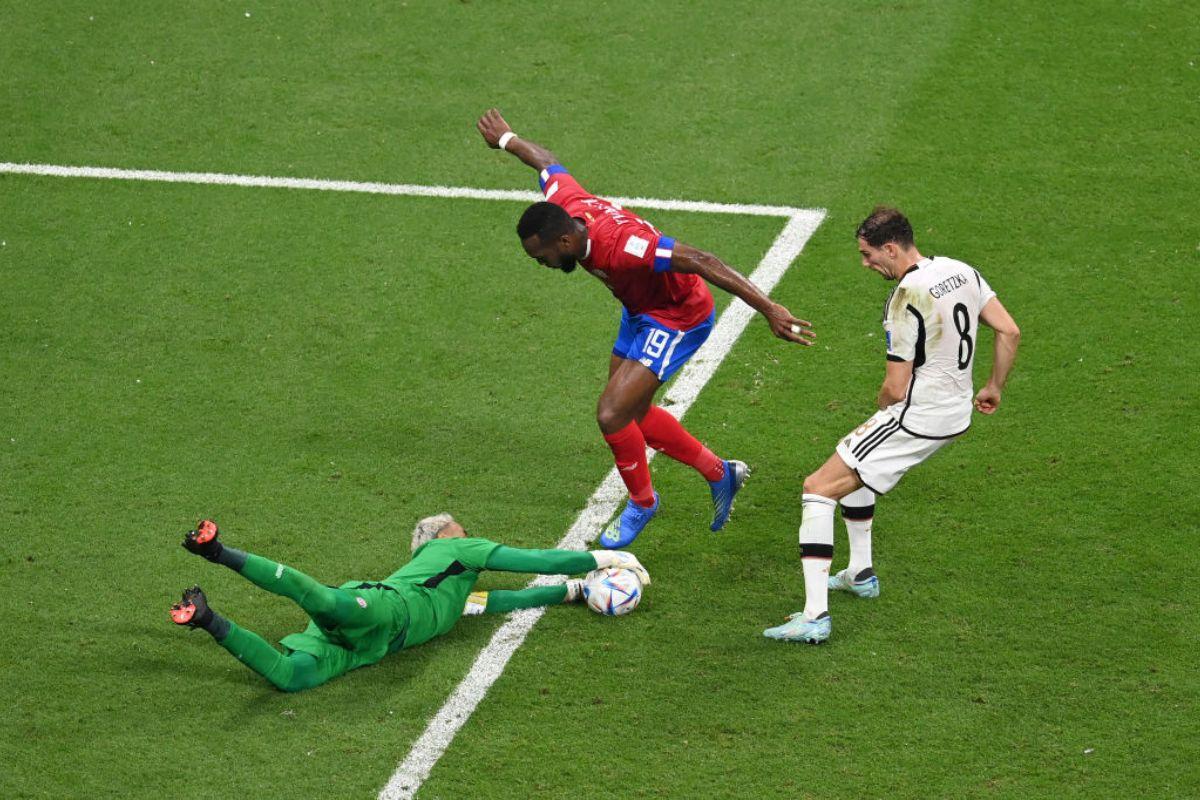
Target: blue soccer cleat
column 724, row 490
column 625, row 528
column 799, row 628
column 856, row 584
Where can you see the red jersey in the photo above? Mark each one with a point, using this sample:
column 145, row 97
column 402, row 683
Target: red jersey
column 630, row 256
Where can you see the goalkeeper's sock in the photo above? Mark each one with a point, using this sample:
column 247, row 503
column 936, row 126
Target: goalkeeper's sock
column 218, row 626
column 629, row 451
column 858, row 512
column 665, row 433
column 231, row 557
column 816, row 552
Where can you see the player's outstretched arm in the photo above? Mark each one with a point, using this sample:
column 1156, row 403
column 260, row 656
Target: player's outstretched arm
column 1004, row 354
column 499, row 136
column 562, row 562
column 542, row 562
column 502, row 601
column 698, row 262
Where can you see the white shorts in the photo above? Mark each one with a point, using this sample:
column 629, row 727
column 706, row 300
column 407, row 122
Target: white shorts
column 880, row 451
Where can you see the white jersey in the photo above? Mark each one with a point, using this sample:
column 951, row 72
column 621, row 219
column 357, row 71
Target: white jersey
column 931, row 318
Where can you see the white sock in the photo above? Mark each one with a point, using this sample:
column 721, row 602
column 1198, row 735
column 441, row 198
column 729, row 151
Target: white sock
column 816, row 552
column 858, row 512
column 859, row 531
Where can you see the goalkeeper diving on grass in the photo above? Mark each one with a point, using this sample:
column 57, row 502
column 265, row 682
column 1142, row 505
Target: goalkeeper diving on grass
column 360, row 622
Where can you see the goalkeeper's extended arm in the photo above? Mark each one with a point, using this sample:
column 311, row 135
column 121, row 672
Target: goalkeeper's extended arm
column 563, row 562
column 501, row 601
column 543, row 562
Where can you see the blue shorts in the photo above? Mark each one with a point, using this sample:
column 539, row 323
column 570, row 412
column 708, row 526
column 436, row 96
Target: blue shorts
column 662, row 349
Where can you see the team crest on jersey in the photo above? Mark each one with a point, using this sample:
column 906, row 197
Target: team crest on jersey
column 362, row 601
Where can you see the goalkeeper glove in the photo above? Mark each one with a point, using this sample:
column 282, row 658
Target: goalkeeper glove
column 574, row 591
column 622, row 559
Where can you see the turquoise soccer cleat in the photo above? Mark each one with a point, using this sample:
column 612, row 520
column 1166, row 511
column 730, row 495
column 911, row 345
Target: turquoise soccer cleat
column 857, row 585
column 625, row 528
column 799, row 628
column 724, row 490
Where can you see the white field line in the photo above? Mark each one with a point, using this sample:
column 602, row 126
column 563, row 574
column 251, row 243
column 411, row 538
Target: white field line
column 404, row 189
column 491, row 661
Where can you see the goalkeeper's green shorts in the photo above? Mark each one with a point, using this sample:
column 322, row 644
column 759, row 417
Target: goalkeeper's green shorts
column 378, row 629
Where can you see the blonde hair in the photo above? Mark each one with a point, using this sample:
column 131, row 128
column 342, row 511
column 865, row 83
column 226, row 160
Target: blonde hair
column 429, row 528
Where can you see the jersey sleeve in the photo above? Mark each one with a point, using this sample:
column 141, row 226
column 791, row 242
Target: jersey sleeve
column 642, row 249
column 986, row 292
column 544, row 562
column 901, row 326
column 559, row 186
column 473, row 552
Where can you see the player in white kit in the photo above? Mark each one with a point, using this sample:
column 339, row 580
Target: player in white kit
column 931, row 320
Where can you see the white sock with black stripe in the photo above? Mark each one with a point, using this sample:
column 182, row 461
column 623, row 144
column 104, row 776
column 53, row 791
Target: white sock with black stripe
column 816, row 552
column 858, row 512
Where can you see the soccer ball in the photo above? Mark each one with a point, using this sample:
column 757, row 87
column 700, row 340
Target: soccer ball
column 612, row 591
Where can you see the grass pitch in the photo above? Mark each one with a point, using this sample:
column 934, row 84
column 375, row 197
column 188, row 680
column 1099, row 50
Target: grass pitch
column 318, row 370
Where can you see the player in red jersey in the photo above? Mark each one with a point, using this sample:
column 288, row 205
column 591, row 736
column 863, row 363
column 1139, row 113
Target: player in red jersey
column 668, row 314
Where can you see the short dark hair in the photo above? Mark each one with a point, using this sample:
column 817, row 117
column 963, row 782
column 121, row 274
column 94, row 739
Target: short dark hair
column 886, row 224
column 546, row 220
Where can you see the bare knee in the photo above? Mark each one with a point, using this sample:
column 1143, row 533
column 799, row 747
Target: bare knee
column 813, row 485
column 610, row 417
column 832, row 483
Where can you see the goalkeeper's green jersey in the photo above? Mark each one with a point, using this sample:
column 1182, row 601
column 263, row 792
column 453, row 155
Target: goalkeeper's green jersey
column 417, row 602
column 436, row 583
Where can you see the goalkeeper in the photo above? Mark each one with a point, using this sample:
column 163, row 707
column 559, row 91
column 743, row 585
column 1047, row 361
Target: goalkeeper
column 359, row 622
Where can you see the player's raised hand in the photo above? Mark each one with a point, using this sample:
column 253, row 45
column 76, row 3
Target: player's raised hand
column 785, row 326
column 492, row 126
column 988, row 399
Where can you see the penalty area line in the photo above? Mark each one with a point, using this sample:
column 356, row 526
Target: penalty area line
column 490, row 663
